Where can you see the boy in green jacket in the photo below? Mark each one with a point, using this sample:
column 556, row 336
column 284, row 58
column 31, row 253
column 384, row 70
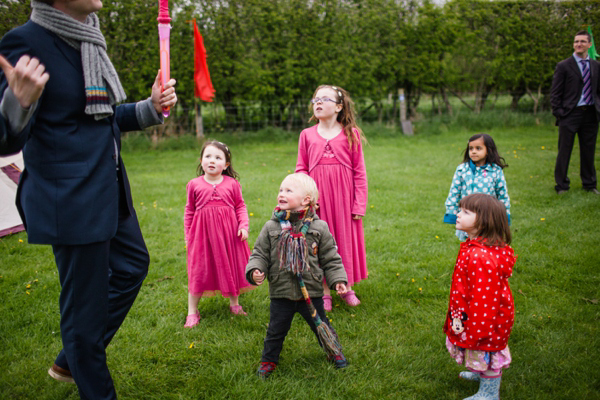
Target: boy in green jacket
column 295, row 238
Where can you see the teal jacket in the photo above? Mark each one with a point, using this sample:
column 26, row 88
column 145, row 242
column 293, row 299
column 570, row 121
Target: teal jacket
column 323, row 259
column 469, row 179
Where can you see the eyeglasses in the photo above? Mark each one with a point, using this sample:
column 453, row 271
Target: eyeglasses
column 322, row 100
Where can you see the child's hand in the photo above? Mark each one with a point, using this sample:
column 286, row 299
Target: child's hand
column 258, row 277
column 341, row 288
column 243, row 234
column 355, row 216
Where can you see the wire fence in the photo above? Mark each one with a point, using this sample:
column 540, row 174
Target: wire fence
column 248, row 116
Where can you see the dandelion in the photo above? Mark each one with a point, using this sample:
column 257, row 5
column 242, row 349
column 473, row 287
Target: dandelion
column 259, row 199
column 413, row 280
column 289, row 172
column 424, row 278
column 420, row 289
column 372, row 206
column 543, row 147
column 437, row 237
column 514, row 151
column 28, row 286
column 27, row 292
column 191, row 345
column 397, row 274
column 142, row 203
column 542, row 219
column 252, row 214
column 531, row 176
column 20, row 240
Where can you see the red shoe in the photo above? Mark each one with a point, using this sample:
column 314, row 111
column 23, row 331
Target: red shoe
column 350, row 298
column 327, row 303
column 237, row 310
column 192, row 320
column 60, row 374
column 266, row 369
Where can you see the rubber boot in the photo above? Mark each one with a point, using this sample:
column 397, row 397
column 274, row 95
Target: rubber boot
column 489, row 389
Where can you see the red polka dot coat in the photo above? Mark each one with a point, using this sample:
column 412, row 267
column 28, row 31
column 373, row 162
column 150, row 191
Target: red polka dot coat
column 481, row 311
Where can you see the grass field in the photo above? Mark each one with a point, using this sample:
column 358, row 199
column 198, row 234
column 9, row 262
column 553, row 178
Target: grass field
column 394, row 340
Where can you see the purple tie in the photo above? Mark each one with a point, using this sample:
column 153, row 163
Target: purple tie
column 587, row 82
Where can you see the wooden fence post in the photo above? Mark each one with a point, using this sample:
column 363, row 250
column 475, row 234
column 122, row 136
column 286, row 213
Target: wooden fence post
column 406, row 124
column 199, row 123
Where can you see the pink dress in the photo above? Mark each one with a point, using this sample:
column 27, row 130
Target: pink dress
column 341, row 178
column 216, row 256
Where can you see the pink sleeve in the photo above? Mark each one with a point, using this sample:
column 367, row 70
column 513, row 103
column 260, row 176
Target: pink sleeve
column 302, row 162
column 190, row 208
column 360, row 181
column 240, row 206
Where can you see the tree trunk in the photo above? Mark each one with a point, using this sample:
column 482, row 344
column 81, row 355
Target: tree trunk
column 445, row 99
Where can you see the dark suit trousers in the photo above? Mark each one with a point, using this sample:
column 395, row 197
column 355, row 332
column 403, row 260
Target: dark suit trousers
column 100, row 282
column 282, row 314
column 585, row 125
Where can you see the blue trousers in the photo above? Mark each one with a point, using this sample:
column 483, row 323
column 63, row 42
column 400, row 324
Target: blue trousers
column 100, row 282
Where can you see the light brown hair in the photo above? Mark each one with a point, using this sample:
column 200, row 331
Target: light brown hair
column 491, row 221
column 346, row 117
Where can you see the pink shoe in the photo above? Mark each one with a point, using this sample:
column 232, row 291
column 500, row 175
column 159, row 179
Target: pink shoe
column 237, row 310
column 192, row 320
column 327, row 304
column 350, row 298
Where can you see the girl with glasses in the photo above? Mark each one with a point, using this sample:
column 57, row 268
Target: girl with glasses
column 331, row 153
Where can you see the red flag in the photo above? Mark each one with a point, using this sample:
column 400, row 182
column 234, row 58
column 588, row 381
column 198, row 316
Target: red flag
column 203, row 87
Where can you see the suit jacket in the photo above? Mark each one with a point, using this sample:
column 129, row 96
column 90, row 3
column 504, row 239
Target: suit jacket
column 69, row 190
column 567, row 85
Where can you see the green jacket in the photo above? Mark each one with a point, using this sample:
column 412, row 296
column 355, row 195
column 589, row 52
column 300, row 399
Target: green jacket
column 323, row 259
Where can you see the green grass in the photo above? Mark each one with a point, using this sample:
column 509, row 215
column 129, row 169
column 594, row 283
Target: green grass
column 394, row 340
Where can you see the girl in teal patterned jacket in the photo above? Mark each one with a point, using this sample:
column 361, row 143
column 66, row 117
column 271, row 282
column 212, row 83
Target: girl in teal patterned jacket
column 480, row 172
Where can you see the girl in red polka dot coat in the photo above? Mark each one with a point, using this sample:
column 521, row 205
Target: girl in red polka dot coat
column 481, row 310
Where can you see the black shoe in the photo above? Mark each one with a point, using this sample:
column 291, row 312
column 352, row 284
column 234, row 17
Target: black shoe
column 594, row 190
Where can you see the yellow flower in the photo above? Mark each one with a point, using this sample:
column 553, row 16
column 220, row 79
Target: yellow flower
column 514, row 151
column 542, row 219
column 28, row 286
column 191, row 345
column 142, row 203
column 259, row 199
column 20, row 240
column 424, row 278
column 437, row 237
column 27, row 292
column 413, row 280
column 397, row 274
column 372, row 206
column 289, row 172
column 420, row 289
column 543, row 147
column 252, row 214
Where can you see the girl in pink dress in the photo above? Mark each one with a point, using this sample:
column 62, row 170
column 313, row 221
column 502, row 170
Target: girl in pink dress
column 216, row 229
column 331, row 153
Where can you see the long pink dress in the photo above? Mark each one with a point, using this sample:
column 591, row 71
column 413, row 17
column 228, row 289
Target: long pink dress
column 216, row 256
column 341, row 178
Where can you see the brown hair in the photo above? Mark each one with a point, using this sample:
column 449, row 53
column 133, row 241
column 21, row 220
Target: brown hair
column 229, row 171
column 586, row 33
column 491, row 221
column 346, row 117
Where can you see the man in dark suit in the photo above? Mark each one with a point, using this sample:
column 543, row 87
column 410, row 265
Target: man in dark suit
column 58, row 101
column 575, row 99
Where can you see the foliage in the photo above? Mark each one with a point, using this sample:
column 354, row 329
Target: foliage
column 274, row 53
column 393, row 340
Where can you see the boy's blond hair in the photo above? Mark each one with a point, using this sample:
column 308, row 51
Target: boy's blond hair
column 307, row 184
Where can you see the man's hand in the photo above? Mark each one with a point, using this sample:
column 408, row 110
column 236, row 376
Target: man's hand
column 27, row 79
column 258, row 277
column 163, row 98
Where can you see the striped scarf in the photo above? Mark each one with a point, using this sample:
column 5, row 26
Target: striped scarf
column 102, row 86
column 292, row 248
